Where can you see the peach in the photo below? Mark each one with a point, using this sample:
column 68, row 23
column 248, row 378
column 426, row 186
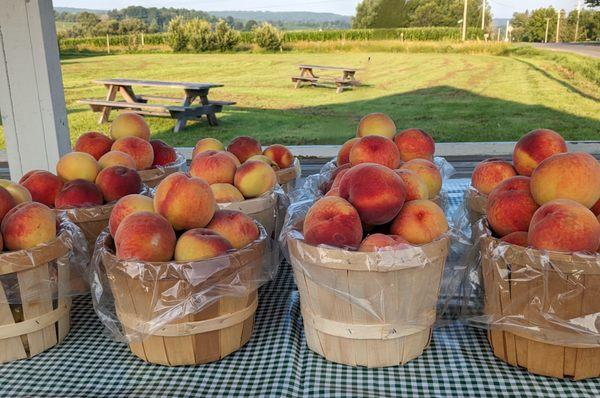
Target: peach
column 27, row 225
column 326, row 186
column 200, row 244
column 127, row 205
column 19, row 193
column 78, row 193
column 376, row 192
column 206, row 144
column 186, row 202
column 574, row 176
column 116, row 158
column 145, row 236
column 264, row 159
column 419, row 222
column 518, row 238
column 510, row 207
column 77, row 166
column 596, row 208
column 254, row 178
column 140, row 150
column 534, row 147
column 416, row 188
column 243, row 147
column 226, row 193
column 428, row 172
column 375, row 149
column 378, row 242
column 239, row 229
column 414, row 144
column 129, row 124
column 335, row 185
column 516, row 183
column 376, row 124
column 490, row 173
column 96, row 144
column 343, row 156
column 213, row 168
column 333, row 221
column 7, row 202
column 118, row 181
column 564, row 225
column 280, row 155
column 164, row 154
column 43, row 186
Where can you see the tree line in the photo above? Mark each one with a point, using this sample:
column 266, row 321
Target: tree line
column 530, row 26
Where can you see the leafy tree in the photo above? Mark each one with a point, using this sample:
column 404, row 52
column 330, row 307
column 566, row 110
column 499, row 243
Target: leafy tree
column 176, row 34
column 383, row 13
column 200, row 35
column 447, row 13
column 268, row 37
column 225, row 37
column 530, row 26
column 87, row 21
column 250, row 25
column 593, row 3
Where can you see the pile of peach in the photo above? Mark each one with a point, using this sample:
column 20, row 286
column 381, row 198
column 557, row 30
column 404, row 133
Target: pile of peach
column 243, row 171
column 549, row 199
column 130, row 145
column 181, row 223
column 374, row 191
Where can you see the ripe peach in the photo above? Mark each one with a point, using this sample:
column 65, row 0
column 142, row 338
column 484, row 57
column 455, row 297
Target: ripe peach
column 43, row 186
column 140, row 150
column 254, row 178
column 226, row 193
column 7, row 202
column 490, row 173
column 510, row 208
column 518, row 238
column 376, row 192
column 145, row 236
column 164, row 154
column 27, row 225
column 116, row 158
column 186, row 202
column 129, row 124
column 326, row 186
column 96, row 144
column 335, row 185
column 420, row 222
column 200, row 244
column 343, row 156
column 516, row 183
column 243, row 147
column 78, row 193
column 280, row 155
column 534, row 147
column 127, row 205
column 17, row 191
column 375, row 149
column 264, row 159
column 77, row 165
column 574, row 176
column 564, row 225
column 333, row 221
column 213, row 168
column 118, row 181
column 414, row 144
column 378, row 242
column 206, row 144
column 428, row 172
column 416, row 188
column 239, row 229
column 376, row 124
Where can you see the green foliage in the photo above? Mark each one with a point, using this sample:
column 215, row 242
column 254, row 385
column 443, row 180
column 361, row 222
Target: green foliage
column 268, row 37
column 176, row 33
column 200, row 35
column 447, row 13
column 226, row 38
column 416, row 34
column 593, row 3
column 530, row 26
column 382, row 14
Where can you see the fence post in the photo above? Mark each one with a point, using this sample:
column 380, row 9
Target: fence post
column 142, row 39
column 107, row 43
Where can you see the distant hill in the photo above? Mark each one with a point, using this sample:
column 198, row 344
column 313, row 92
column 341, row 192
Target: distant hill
column 74, row 10
column 284, row 16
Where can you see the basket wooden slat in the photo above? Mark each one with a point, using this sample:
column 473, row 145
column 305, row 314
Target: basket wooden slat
column 91, row 220
column 286, row 177
column 476, row 203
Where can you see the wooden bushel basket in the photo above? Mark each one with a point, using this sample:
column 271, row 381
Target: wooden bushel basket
column 369, row 309
column 220, row 328
column 287, row 177
column 152, row 177
column 41, row 318
column 535, row 305
column 262, row 209
column 91, row 220
column 476, row 203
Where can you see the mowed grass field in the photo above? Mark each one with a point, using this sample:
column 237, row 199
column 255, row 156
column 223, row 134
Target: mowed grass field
column 455, row 97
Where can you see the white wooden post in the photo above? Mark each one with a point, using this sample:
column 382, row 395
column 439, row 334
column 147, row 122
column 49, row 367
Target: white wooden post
column 32, row 101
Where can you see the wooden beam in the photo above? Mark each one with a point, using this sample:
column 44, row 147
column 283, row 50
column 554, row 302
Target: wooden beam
column 32, row 100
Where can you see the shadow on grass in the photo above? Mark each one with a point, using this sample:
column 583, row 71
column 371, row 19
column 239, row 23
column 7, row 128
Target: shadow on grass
column 449, row 114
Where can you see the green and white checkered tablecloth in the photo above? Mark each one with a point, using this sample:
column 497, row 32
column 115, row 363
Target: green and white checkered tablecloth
column 276, row 362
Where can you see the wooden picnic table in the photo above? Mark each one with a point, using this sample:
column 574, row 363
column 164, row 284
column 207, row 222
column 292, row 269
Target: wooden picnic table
column 185, row 109
column 308, row 76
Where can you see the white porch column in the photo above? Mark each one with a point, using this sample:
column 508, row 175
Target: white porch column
column 32, row 101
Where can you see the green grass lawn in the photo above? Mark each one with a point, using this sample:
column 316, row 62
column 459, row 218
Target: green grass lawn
column 456, row 97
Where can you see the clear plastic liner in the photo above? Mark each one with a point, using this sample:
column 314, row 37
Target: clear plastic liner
column 136, row 299
column 46, row 271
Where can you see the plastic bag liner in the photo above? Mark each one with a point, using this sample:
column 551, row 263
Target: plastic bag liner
column 174, row 304
column 541, row 308
column 286, row 178
column 152, row 177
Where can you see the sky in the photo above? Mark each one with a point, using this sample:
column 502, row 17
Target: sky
column 500, row 8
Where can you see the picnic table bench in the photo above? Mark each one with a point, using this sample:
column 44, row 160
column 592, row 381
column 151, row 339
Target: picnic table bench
column 308, row 76
column 180, row 108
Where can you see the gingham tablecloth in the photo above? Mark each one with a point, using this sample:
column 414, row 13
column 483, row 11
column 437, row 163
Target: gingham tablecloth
column 276, row 362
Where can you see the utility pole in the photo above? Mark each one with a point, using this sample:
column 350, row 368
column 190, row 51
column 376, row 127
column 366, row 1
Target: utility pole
column 464, row 27
column 499, row 33
column 506, row 33
column 558, row 26
column 577, row 24
column 483, row 15
column 547, row 28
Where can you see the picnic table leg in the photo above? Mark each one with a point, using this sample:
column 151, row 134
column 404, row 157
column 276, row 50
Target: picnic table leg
column 128, row 94
column 112, row 93
column 210, row 115
column 299, row 82
column 181, row 122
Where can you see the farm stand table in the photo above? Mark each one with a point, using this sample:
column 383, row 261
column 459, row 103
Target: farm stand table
column 186, row 110
column 308, row 76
